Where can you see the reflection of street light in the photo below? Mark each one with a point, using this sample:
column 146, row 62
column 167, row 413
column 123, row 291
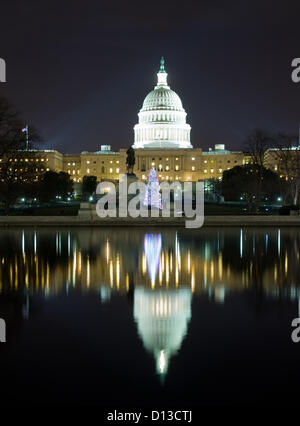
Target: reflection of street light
column 279, row 199
column 91, row 198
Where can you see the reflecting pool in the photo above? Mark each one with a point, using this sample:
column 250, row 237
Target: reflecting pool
column 123, row 318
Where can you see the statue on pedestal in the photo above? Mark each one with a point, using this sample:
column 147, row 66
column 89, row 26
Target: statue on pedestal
column 130, row 160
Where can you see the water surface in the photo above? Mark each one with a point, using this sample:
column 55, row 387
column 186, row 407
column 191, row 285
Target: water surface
column 123, row 318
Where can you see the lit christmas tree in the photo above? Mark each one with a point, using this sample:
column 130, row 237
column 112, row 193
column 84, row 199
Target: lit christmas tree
column 152, row 194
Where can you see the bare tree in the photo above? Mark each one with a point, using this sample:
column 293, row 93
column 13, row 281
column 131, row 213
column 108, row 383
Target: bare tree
column 17, row 154
column 256, row 145
column 288, row 157
column 11, row 135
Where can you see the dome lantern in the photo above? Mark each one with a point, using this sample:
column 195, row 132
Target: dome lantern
column 162, row 75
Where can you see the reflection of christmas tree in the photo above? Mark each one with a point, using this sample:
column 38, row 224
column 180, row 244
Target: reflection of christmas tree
column 152, row 195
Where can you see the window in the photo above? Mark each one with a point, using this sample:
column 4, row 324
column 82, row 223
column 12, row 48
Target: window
column 176, row 167
column 193, row 158
column 211, row 170
column 193, row 168
column 205, row 171
column 205, row 161
column 117, row 170
column 88, row 162
column 88, row 170
column 102, row 169
column 110, row 170
column 167, row 168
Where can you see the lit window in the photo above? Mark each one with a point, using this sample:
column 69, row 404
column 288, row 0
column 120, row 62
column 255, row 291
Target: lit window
column 176, row 167
column 69, row 164
column 193, row 158
column 176, row 158
column 88, row 170
column 110, row 161
column 73, row 164
column 193, row 168
column 167, row 177
column 167, row 159
column 143, row 177
column 160, row 167
column 117, row 161
column 167, row 168
column 220, row 170
column 153, row 164
column 110, row 170
column 205, row 161
column 69, row 171
column 176, row 177
column 211, row 170
column 117, row 170
column 88, row 162
column 205, row 171
column 73, row 172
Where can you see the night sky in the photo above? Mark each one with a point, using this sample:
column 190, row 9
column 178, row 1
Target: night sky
column 79, row 70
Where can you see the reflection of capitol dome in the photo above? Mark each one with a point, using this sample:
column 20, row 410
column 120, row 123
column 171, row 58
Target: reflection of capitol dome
column 162, row 317
column 162, row 119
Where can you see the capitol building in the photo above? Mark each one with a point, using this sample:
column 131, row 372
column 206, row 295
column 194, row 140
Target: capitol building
column 162, row 139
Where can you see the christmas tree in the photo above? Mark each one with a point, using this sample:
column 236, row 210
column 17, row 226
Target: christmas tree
column 152, row 195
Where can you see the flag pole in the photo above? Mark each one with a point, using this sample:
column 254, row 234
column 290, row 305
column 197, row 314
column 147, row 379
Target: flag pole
column 27, row 137
column 25, row 130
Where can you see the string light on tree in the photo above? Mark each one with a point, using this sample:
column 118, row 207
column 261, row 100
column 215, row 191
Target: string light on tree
column 152, row 194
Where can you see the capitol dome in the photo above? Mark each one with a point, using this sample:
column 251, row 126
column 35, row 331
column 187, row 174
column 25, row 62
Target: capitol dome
column 162, row 119
column 162, row 99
